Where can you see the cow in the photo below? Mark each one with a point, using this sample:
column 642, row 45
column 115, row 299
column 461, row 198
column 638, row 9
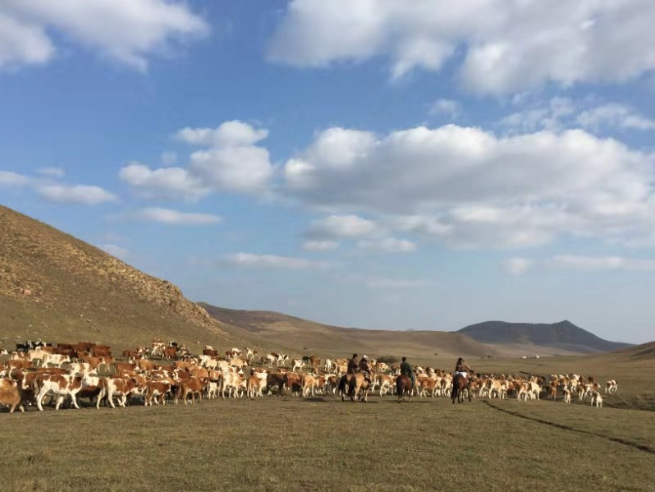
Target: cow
column 193, row 386
column 276, row 380
column 297, row 364
column 596, row 399
column 156, row 389
column 117, row 386
column 60, row 385
column 10, row 395
column 611, row 387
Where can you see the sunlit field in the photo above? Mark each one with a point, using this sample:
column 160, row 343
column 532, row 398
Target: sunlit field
column 322, row 443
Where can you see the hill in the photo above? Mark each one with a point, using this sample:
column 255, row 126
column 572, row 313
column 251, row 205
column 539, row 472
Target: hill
column 300, row 336
column 563, row 336
column 58, row 288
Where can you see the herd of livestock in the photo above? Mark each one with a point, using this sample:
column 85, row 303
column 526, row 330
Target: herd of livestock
column 36, row 372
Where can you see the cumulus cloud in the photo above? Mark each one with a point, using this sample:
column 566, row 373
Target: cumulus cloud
column 79, row 194
column 320, row 245
column 249, row 260
column 560, row 113
column 167, row 182
column 125, row 30
column 395, row 283
column 613, row 115
column 504, row 46
column 229, row 134
column 469, row 187
column 341, row 226
column 388, row 245
column 604, row 263
column 55, row 172
column 9, row 178
column 517, row 266
column 173, row 217
column 231, row 162
column 446, row 107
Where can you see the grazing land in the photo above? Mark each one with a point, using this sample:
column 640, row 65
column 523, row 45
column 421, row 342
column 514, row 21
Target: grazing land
column 289, row 443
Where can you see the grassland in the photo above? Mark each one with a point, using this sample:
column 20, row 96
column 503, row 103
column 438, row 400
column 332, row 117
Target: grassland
column 289, row 443
column 286, row 443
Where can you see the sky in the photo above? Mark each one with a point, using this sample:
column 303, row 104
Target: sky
column 377, row 164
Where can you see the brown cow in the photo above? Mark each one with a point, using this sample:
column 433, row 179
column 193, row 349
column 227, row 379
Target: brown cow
column 191, row 385
column 10, row 395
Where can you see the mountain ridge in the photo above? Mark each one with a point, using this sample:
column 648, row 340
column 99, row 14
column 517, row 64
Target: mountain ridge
column 563, row 334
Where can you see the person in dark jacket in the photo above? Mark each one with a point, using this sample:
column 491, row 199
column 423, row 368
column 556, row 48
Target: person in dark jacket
column 406, row 370
column 462, row 367
column 353, row 365
column 365, row 369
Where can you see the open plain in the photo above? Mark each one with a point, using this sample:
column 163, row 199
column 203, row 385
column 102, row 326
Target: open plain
column 321, row 443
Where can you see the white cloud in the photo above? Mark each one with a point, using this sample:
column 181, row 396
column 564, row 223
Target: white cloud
column 613, row 115
column 320, row 245
column 55, row 172
column 168, row 158
column 395, row 283
column 518, row 266
column 550, row 116
column 561, row 113
column 230, row 163
column 604, row 263
column 249, row 260
column 388, row 245
column 504, row 46
column 167, row 182
column 229, row 134
column 173, row 217
column 446, row 107
column 238, row 169
column 125, row 30
column 115, row 250
column 469, row 187
column 80, row 194
column 341, row 226
column 10, row 178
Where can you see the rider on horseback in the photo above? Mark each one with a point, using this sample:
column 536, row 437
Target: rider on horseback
column 406, row 370
column 462, row 368
column 353, row 365
column 365, row 369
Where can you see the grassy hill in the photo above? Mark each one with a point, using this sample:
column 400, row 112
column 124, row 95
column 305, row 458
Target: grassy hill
column 58, row 288
column 563, row 336
column 299, row 336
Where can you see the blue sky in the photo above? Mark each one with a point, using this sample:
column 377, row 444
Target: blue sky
column 375, row 164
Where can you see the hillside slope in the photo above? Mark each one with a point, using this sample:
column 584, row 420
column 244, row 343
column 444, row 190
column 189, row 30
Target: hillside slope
column 299, row 336
column 563, row 335
column 58, row 288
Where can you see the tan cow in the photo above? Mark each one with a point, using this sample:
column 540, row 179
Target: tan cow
column 10, row 395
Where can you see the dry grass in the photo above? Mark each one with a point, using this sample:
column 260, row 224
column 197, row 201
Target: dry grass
column 323, row 444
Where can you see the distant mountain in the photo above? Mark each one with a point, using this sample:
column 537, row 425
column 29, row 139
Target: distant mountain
column 58, row 288
column 563, row 335
column 300, row 336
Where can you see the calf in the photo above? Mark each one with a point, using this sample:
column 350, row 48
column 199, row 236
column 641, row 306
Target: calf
column 191, row 385
column 10, row 395
column 156, row 389
column 596, row 399
column 60, row 385
column 118, row 386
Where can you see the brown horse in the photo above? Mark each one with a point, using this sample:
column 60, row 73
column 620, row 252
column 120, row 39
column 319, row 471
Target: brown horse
column 460, row 383
column 404, row 388
column 354, row 385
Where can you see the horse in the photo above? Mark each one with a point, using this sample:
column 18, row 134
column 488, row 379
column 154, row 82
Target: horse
column 353, row 385
column 460, row 383
column 404, row 388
